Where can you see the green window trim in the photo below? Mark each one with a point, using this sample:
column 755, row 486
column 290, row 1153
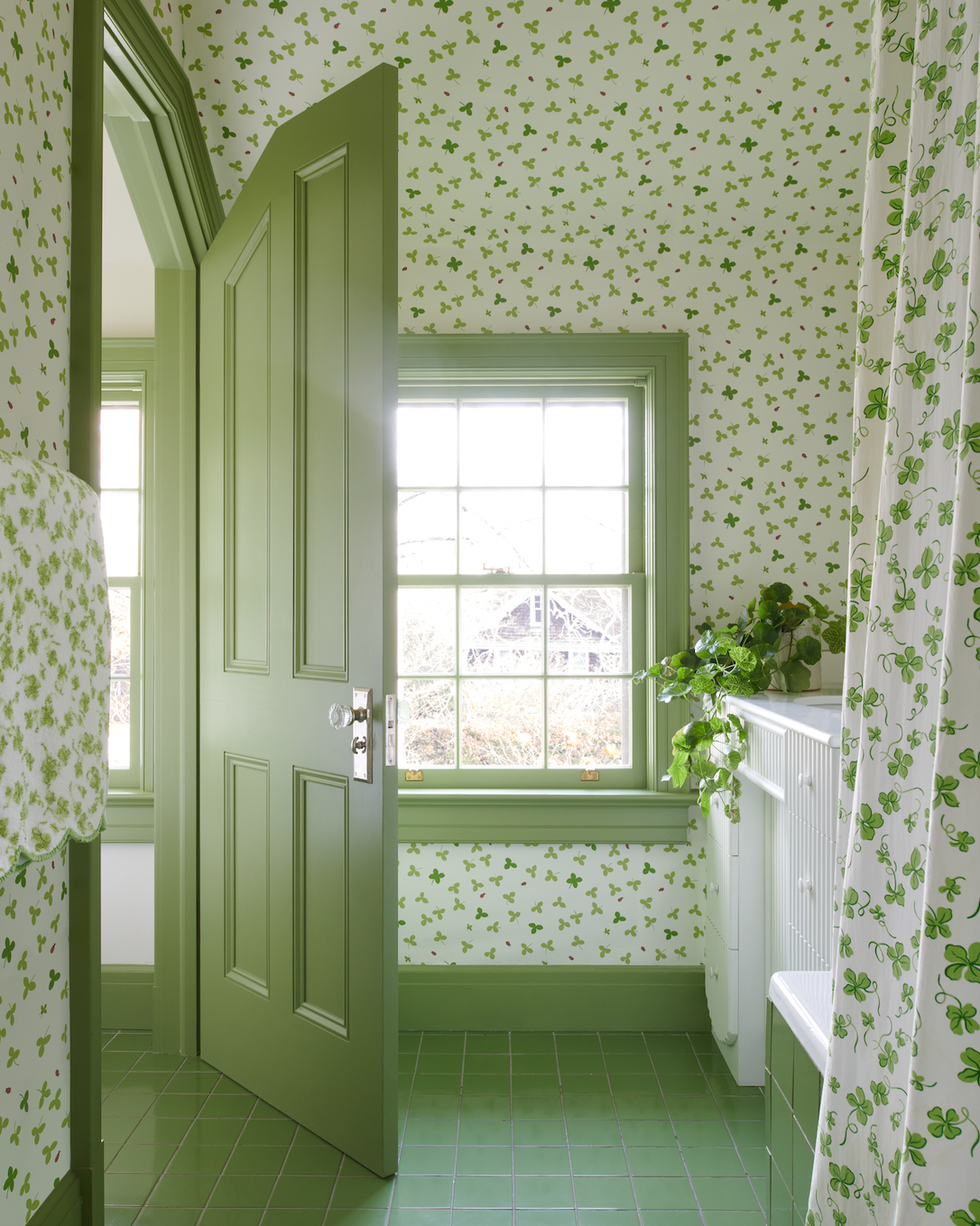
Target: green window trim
column 582, row 812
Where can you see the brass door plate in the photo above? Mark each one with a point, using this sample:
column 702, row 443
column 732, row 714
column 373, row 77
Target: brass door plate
column 414, row 776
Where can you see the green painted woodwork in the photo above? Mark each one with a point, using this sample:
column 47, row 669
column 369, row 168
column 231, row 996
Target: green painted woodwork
column 84, row 955
column 64, row 1206
column 657, row 365
column 298, row 933
column 153, row 124
column 552, row 998
column 127, row 997
column 521, row 816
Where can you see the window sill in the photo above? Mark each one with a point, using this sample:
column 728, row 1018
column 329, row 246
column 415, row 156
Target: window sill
column 515, row 815
column 119, row 797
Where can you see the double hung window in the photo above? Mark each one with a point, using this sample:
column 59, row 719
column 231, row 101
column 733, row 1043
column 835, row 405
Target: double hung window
column 521, row 602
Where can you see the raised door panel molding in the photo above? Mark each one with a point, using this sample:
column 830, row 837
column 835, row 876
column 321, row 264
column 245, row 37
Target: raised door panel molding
column 321, row 862
column 321, row 633
column 246, row 872
column 248, row 312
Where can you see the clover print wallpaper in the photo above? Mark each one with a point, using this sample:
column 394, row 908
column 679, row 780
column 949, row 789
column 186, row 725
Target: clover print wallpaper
column 34, row 1037
column 583, row 165
column 35, row 227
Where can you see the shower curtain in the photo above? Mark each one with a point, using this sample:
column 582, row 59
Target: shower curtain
column 899, row 1130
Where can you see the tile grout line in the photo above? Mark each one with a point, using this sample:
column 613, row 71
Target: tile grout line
column 619, row 1125
column 670, row 1118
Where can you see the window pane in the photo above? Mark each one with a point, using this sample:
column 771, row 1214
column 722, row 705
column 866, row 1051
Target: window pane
column 587, row 630
column 121, row 531
column 426, row 630
column 426, row 533
column 426, row 724
column 120, row 604
column 427, row 444
column 588, row 723
column 585, row 532
column 119, row 429
column 585, row 444
column 119, row 720
column 501, row 723
column 500, row 443
column 500, row 532
column 500, row 630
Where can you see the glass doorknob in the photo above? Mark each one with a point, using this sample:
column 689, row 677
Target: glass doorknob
column 342, row 716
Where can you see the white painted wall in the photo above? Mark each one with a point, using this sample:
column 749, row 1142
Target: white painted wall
column 127, row 270
column 127, row 903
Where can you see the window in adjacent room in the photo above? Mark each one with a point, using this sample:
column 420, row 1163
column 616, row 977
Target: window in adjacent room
column 122, row 430
column 521, row 584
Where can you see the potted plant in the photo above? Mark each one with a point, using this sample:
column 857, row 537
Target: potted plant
column 771, row 645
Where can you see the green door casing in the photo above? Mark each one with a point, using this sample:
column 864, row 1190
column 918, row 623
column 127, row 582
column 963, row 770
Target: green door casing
column 298, row 861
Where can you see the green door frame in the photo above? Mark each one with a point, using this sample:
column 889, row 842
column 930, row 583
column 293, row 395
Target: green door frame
column 122, row 34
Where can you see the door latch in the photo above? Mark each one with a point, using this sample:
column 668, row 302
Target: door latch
column 342, row 716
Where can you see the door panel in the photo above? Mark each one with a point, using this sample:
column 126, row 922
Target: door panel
column 298, row 861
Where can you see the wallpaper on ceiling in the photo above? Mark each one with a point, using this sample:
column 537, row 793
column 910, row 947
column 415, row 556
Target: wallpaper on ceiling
column 606, row 166
column 35, row 242
column 34, row 1037
column 508, row 903
column 35, row 228
column 578, row 166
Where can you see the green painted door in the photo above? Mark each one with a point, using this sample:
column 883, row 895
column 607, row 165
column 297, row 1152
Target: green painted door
column 298, row 859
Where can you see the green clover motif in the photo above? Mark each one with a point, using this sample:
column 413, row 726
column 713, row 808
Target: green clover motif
column 963, row 963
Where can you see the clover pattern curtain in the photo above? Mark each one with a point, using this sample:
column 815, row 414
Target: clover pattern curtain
column 900, row 1116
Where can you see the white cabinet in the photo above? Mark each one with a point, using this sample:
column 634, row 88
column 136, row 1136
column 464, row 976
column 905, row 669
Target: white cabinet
column 769, row 878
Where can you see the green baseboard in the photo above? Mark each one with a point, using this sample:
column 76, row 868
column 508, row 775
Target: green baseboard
column 63, row 1207
column 552, row 998
column 127, row 997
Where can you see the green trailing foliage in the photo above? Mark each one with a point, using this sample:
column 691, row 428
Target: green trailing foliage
column 770, row 646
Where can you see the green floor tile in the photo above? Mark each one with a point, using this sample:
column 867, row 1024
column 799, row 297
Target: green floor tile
column 427, row 1160
column 142, row 1158
column 214, row 1132
column 343, row 1216
column 267, row 1132
column 703, row 1108
column 626, row 1044
column 436, row 1083
column 545, row 1217
column 132, row 1040
column 543, row 1108
column 178, row 1106
column 532, row 1042
column 657, row 1160
column 444, row 1064
column 189, row 1081
column 670, row 1217
column 482, row 1192
column 129, row 1189
column 243, row 1189
column 419, row 1217
column 121, row 1217
column 155, row 1215
column 631, row 1083
column 477, row 1062
column 528, row 1065
column 740, row 1109
column 539, row 1132
column 598, row 1160
column 745, row 1132
column 702, row 1133
column 647, row 1132
column 543, row 1192
column 322, row 1160
column 266, row 1111
column 256, row 1160
column 588, row 1107
column 484, row 1160
column 118, row 1061
column 200, row 1160
column 536, row 1085
column 683, row 1084
column 640, row 1107
column 576, row 1043
column 593, row 1132
column 118, row 1127
column 482, row 1217
column 127, row 1104
column 541, row 1161
column 156, row 1060
column 485, row 1107
column 631, row 1065
column 484, row 1132
column 477, row 1044
column 236, row 1216
column 653, row 1193
column 303, row 1191
column 227, row 1106
column 581, row 1083
column 430, row 1132
column 572, row 1064
column 713, row 1162
column 423, row 1191
column 724, row 1193
column 443, row 1044
column 608, row 1217
column 755, row 1161
column 227, row 1086
column 362, row 1193
column 156, row 1131
column 602, row 1192
column 721, row 1217
column 182, row 1190
column 308, row 1217
column 432, row 1106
